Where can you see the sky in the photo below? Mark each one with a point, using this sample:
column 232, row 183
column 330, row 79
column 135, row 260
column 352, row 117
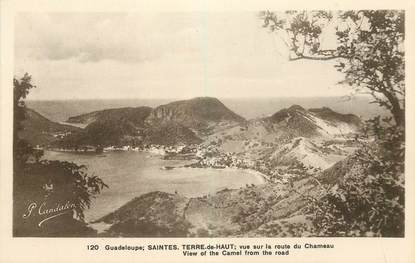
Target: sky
column 162, row 55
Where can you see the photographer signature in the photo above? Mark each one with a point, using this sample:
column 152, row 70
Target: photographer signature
column 50, row 212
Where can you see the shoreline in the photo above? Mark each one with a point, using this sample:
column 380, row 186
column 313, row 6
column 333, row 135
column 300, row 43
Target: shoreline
column 263, row 176
column 101, row 227
column 251, row 171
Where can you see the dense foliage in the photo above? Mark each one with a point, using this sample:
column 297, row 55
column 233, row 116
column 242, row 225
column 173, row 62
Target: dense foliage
column 100, row 133
column 41, row 181
column 369, row 49
column 370, row 199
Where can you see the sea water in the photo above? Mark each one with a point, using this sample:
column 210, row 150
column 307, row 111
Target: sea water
column 131, row 174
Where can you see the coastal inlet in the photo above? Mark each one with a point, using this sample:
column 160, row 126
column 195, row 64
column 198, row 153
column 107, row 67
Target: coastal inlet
column 130, row 174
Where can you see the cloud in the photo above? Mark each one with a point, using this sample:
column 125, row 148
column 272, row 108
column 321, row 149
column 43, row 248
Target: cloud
column 113, row 55
column 90, row 37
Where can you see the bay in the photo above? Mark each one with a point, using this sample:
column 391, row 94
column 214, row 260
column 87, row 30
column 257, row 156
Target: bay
column 130, row 174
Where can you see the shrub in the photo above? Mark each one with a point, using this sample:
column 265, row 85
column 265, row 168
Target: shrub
column 370, row 199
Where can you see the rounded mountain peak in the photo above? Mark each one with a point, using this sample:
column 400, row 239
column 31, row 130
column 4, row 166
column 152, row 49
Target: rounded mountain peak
column 196, row 113
column 296, row 107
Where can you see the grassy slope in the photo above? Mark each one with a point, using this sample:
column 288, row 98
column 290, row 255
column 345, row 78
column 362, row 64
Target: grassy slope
column 38, row 130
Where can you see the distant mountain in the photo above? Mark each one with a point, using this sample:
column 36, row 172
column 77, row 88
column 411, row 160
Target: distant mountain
column 190, row 121
column 296, row 121
column 249, row 108
column 329, row 115
column 199, row 114
column 287, row 124
column 38, row 130
column 180, row 122
column 315, row 138
column 108, row 127
column 126, row 126
column 105, row 132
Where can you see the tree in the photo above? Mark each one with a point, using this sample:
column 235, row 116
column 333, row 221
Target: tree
column 53, row 182
column 369, row 48
column 368, row 199
column 21, row 149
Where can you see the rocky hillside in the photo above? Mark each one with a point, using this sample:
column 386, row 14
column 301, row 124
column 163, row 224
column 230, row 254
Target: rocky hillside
column 198, row 114
column 287, row 124
column 307, row 152
column 323, row 122
column 38, row 130
column 291, row 139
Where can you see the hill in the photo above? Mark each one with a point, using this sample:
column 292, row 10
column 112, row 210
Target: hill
column 281, row 127
column 328, row 114
column 180, row 122
column 292, row 137
column 170, row 133
column 307, row 152
column 153, row 214
column 108, row 127
column 126, row 126
column 38, row 130
column 199, row 114
column 295, row 121
column 135, row 115
column 207, row 119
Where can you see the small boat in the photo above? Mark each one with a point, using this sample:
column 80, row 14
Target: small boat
column 167, row 168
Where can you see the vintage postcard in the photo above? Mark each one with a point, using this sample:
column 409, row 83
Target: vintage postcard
column 206, row 132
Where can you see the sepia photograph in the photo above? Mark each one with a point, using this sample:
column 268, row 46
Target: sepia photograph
column 256, row 124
